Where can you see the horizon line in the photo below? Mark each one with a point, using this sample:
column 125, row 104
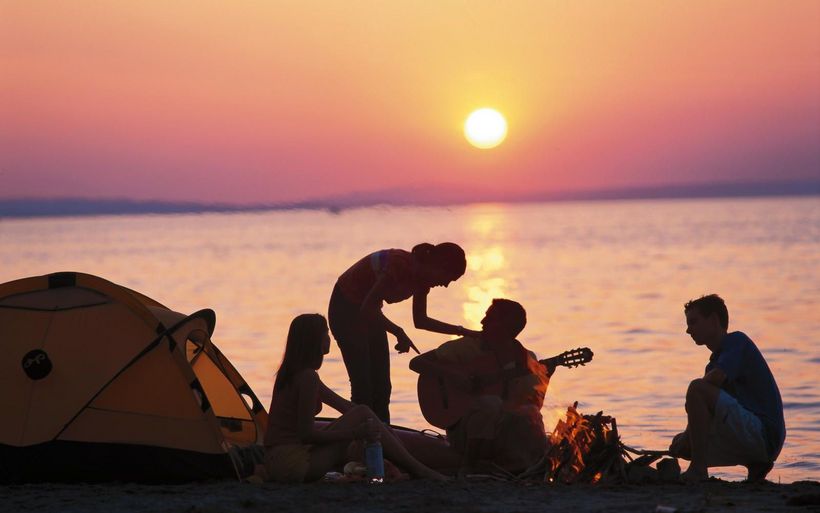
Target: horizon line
column 76, row 206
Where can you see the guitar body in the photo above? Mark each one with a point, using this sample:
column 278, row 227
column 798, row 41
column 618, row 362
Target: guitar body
column 443, row 404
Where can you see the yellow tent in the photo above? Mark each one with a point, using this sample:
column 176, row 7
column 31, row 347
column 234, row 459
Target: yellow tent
column 99, row 382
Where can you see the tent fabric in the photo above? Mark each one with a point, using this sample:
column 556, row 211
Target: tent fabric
column 99, row 382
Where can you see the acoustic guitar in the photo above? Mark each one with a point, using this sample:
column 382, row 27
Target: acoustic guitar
column 442, row 403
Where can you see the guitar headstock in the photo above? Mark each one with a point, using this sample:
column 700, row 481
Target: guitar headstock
column 573, row 357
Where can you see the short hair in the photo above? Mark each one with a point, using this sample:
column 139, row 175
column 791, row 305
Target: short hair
column 513, row 314
column 708, row 305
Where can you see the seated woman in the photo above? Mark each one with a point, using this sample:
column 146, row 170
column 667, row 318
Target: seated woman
column 295, row 449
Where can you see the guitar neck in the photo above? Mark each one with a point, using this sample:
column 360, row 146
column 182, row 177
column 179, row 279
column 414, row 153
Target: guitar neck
column 569, row 359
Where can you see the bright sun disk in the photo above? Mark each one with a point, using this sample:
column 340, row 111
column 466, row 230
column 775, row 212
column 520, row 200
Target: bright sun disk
column 485, row 128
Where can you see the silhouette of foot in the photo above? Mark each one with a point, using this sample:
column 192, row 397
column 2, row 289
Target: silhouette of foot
column 758, row 471
column 694, row 476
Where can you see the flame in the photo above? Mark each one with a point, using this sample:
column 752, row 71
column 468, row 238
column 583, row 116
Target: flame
column 553, row 414
column 570, row 445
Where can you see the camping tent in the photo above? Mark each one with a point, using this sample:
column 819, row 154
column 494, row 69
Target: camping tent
column 99, row 382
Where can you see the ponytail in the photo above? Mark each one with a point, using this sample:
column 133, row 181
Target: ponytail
column 447, row 255
column 423, row 251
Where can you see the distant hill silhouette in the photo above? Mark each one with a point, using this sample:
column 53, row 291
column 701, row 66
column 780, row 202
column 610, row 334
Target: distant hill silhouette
column 421, row 196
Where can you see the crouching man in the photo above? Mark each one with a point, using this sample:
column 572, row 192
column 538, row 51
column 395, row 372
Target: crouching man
column 734, row 413
column 497, row 387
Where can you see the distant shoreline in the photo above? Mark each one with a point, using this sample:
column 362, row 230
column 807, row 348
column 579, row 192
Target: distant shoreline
column 421, row 197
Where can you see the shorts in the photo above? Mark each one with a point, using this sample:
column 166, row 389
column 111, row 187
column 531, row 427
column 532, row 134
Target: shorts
column 737, row 436
column 288, row 463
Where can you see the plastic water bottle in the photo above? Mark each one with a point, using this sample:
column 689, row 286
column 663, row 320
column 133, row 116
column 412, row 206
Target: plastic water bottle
column 373, row 458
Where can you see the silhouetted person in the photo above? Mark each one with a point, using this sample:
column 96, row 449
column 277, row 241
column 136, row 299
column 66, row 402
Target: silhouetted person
column 502, row 423
column 734, row 412
column 295, row 449
column 359, row 326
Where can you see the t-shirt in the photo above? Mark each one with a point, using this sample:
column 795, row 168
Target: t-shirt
column 397, row 266
column 749, row 380
column 525, row 393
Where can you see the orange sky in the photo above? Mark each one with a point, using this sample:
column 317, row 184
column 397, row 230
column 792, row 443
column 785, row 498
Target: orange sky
column 283, row 101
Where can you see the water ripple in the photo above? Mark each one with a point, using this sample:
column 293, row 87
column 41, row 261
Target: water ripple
column 799, row 406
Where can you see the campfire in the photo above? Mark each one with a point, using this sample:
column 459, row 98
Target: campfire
column 588, row 449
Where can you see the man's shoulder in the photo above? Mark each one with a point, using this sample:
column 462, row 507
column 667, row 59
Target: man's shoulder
column 736, row 342
column 738, row 337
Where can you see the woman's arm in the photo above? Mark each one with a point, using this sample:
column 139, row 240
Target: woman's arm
column 308, row 389
column 372, row 301
column 371, row 309
column 334, row 400
column 424, row 322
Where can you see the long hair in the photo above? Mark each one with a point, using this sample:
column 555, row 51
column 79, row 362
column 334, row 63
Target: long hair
column 447, row 255
column 303, row 349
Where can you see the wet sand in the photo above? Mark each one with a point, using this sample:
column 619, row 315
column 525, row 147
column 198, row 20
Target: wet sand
column 411, row 497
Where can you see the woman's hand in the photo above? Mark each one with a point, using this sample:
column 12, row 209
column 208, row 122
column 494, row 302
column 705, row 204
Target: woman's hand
column 403, row 342
column 680, row 445
column 466, row 332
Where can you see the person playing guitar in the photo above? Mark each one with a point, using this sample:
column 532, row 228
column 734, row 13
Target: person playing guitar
column 504, row 385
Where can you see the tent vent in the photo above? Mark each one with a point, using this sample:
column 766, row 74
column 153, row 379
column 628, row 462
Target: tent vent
column 199, row 393
column 36, row 364
column 246, row 391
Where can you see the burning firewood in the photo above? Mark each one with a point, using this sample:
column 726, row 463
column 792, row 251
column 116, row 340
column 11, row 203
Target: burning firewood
column 588, row 449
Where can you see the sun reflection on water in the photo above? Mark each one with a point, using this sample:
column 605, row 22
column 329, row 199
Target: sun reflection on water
column 485, row 264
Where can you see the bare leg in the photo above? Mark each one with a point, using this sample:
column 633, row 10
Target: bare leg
column 701, row 398
column 324, row 458
column 393, row 448
column 398, row 454
column 436, row 453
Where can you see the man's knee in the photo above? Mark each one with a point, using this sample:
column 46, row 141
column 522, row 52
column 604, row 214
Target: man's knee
column 698, row 393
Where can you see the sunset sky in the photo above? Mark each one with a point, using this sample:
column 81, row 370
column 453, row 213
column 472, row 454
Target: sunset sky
column 275, row 101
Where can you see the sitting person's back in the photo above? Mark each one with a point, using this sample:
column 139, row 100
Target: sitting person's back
column 282, row 421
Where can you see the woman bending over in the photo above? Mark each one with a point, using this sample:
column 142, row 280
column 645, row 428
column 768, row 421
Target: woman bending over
column 359, row 326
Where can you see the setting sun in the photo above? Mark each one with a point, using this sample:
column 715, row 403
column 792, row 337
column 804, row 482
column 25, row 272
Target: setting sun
column 485, row 128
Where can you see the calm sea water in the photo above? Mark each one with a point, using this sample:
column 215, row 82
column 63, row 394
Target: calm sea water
column 609, row 275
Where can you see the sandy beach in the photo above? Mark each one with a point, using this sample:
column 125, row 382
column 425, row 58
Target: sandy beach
column 411, row 496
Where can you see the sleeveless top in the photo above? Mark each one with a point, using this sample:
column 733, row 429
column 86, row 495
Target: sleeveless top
column 282, row 419
column 399, row 268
